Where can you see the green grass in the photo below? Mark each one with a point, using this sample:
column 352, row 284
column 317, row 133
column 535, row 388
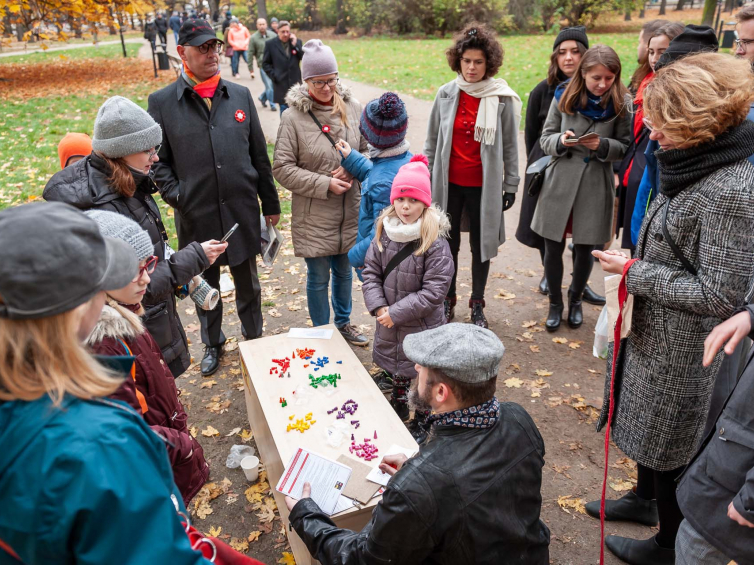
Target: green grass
column 95, row 51
column 419, row 68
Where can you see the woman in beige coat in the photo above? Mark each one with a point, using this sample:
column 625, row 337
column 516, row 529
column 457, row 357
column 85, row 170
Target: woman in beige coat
column 326, row 198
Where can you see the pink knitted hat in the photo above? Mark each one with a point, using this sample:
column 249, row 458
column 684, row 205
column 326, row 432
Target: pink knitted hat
column 412, row 181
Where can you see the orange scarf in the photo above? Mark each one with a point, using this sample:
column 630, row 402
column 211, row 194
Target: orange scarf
column 205, row 89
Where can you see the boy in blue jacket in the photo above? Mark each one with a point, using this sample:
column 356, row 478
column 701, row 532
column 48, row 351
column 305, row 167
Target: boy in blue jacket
column 384, row 124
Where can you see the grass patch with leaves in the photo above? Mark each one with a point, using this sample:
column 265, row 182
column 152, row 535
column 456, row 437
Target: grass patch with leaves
column 113, row 51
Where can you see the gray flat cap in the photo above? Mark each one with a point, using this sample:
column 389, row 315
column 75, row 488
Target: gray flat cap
column 463, row 352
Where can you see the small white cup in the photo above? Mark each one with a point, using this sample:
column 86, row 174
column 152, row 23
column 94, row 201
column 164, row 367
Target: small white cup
column 250, row 466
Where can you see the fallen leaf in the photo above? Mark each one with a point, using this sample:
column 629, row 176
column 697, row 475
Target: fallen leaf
column 239, row 544
column 593, row 371
column 568, row 501
column 254, row 536
column 233, row 432
column 191, row 328
column 274, row 313
column 513, row 368
column 287, row 559
column 621, row 485
column 191, row 312
column 534, row 348
column 529, row 324
column 513, row 382
column 193, row 431
column 215, row 531
column 246, row 435
column 208, row 384
column 575, row 344
column 536, row 394
column 543, row 373
column 210, row 431
column 505, row 295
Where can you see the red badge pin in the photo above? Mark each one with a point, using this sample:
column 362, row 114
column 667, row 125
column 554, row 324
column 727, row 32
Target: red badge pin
column 326, row 129
column 293, row 51
column 240, row 115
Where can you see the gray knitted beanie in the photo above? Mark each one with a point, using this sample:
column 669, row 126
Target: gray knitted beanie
column 124, row 128
column 318, row 60
column 120, row 227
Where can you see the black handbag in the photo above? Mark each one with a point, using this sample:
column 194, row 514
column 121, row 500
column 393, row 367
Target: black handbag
column 537, row 171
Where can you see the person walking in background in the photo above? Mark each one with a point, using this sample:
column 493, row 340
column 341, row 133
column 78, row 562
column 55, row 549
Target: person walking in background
column 408, row 298
column 256, row 52
column 118, row 177
column 150, row 33
column 281, row 62
column 578, row 191
column 213, row 169
column 570, row 45
column 162, row 28
column 695, row 268
column 325, row 202
column 274, row 25
column 647, row 31
column 238, row 39
column 226, row 22
column 175, row 24
column 151, row 389
column 472, row 146
column 631, row 169
column 73, row 147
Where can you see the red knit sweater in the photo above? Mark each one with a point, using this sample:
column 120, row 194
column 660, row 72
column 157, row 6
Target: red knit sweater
column 465, row 154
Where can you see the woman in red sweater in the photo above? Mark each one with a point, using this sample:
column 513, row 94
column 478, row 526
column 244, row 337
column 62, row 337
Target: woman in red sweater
column 472, row 146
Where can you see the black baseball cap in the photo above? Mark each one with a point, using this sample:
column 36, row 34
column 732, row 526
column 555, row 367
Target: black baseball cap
column 55, row 259
column 195, row 32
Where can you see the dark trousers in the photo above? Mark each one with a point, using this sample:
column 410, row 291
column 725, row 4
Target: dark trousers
column 469, row 197
column 661, row 485
column 163, row 37
column 248, row 303
column 582, row 268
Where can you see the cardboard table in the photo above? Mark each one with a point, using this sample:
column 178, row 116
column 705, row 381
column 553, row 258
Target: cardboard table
column 269, row 421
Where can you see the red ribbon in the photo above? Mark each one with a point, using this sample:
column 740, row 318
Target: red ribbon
column 622, row 296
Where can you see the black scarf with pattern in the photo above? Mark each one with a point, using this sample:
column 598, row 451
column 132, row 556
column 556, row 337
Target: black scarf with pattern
column 681, row 168
column 483, row 415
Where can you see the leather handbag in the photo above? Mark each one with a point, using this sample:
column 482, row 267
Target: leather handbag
column 537, row 171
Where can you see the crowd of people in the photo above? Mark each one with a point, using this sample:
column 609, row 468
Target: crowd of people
column 93, row 429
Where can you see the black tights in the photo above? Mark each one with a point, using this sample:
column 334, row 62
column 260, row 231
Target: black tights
column 469, row 197
column 582, row 268
column 661, row 485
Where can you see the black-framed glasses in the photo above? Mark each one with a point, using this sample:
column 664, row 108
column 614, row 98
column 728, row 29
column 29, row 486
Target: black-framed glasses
column 152, row 152
column 204, row 48
column 742, row 43
column 320, row 84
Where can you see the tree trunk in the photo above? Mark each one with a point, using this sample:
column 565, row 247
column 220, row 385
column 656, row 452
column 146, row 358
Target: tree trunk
column 680, row 4
column 340, row 26
column 708, row 14
column 627, row 15
column 642, row 10
column 663, row 5
column 729, row 5
column 311, row 21
column 262, row 9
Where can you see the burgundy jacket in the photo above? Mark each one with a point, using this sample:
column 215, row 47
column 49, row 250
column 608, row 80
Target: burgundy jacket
column 155, row 383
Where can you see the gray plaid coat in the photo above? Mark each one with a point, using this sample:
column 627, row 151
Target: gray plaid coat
column 663, row 393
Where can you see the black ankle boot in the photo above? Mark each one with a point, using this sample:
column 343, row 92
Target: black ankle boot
column 543, row 288
column 555, row 315
column 477, row 313
column 575, row 314
column 449, row 307
column 640, row 552
column 629, row 508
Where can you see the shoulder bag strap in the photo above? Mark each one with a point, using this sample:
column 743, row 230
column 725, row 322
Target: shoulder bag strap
column 319, row 125
column 398, row 258
column 673, row 247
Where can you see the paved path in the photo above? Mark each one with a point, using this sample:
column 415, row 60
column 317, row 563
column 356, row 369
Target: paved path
column 76, row 46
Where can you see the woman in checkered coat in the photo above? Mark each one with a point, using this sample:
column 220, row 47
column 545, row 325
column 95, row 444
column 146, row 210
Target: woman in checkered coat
column 662, row 391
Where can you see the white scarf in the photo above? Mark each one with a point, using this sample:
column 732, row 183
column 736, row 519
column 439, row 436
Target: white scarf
column 400, row 232
column 489, row 90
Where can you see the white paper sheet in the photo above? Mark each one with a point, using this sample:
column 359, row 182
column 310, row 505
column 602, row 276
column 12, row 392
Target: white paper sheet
column 310, row 333
column 344, row 503
column 377, row 476
column 328, row 478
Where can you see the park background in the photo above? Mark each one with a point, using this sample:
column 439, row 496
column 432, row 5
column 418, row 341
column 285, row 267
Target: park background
column 61, row 59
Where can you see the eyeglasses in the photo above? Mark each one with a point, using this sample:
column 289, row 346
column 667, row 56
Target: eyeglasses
column 648, row 125
column 148, row 268
column 320, row 84
column 204, row 48
column 152, row 152
column 742, row 43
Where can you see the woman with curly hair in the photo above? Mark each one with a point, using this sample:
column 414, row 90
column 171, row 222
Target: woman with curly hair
column 472, row 146
column 695, row 268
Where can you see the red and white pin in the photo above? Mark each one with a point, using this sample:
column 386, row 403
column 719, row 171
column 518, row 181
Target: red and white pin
column 240, row 115
column 326, row 129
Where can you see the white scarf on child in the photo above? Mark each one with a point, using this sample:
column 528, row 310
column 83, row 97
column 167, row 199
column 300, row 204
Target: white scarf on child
column 400, row 232
column 489, row 90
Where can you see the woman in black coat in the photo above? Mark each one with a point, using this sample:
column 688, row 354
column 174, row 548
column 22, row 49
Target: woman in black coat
column 570, row 45
column 116, row 177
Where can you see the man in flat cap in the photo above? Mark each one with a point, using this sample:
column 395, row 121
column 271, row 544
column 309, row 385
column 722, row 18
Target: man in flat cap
column 472, row 493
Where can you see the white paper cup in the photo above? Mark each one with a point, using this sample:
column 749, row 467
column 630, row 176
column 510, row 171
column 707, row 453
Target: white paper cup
column 250, row 466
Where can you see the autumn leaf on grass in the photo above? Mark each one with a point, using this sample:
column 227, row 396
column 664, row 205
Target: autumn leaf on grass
column 208, row 384
column 534, row 348
column 513, row 382
column 529, row 324
column 210, row 431
column 255, row 493
column 287, row 559
column 560, row 340
column 215, row 531
column 543, row 373
column 569, row 502
column 254, row 536
column 239, row 544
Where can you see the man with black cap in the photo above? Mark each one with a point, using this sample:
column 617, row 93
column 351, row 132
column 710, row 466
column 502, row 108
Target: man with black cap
column 213, row 169
column 472, row 493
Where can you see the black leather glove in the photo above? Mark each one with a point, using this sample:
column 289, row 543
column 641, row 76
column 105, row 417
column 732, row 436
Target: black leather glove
column 509, row 199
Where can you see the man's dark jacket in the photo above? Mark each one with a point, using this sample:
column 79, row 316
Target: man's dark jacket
column 723, row 472
column 470, row 496
column 85, row 185
column 162, row 24
column 213, row 166
column 284, row 71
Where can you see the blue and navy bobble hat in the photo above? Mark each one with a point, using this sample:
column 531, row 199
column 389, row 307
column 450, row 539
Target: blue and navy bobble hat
column 384, row 122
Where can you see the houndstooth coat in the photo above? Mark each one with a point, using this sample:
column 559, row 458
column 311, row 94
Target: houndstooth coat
column 663, row 393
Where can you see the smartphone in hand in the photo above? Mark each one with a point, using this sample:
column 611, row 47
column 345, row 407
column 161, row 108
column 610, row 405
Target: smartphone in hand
column 230, row 232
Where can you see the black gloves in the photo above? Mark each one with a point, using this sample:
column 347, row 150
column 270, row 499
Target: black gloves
column 509, row 198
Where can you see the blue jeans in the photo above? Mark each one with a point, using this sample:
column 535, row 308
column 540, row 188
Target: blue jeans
column 268, row 94
column 283, row 108
column 175, row 35
column 234, row 60
column 317, row 281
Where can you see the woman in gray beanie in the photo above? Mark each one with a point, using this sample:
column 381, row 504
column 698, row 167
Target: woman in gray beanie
column 326, row 197
column 116, row 177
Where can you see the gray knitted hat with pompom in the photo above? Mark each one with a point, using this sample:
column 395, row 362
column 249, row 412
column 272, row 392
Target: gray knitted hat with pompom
column 124, row 128
column 120, row 227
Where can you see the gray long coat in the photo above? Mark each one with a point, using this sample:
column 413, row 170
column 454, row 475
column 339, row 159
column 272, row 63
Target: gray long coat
column 499, row 163
column 663, row 395
column 414, row 292
column 578, row 180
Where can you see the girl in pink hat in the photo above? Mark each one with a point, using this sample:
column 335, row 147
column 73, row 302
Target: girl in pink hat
column 407, row 273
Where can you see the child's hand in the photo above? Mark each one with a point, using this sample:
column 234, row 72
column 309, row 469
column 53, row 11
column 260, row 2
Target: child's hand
column 343, row 147
column 384, row 318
